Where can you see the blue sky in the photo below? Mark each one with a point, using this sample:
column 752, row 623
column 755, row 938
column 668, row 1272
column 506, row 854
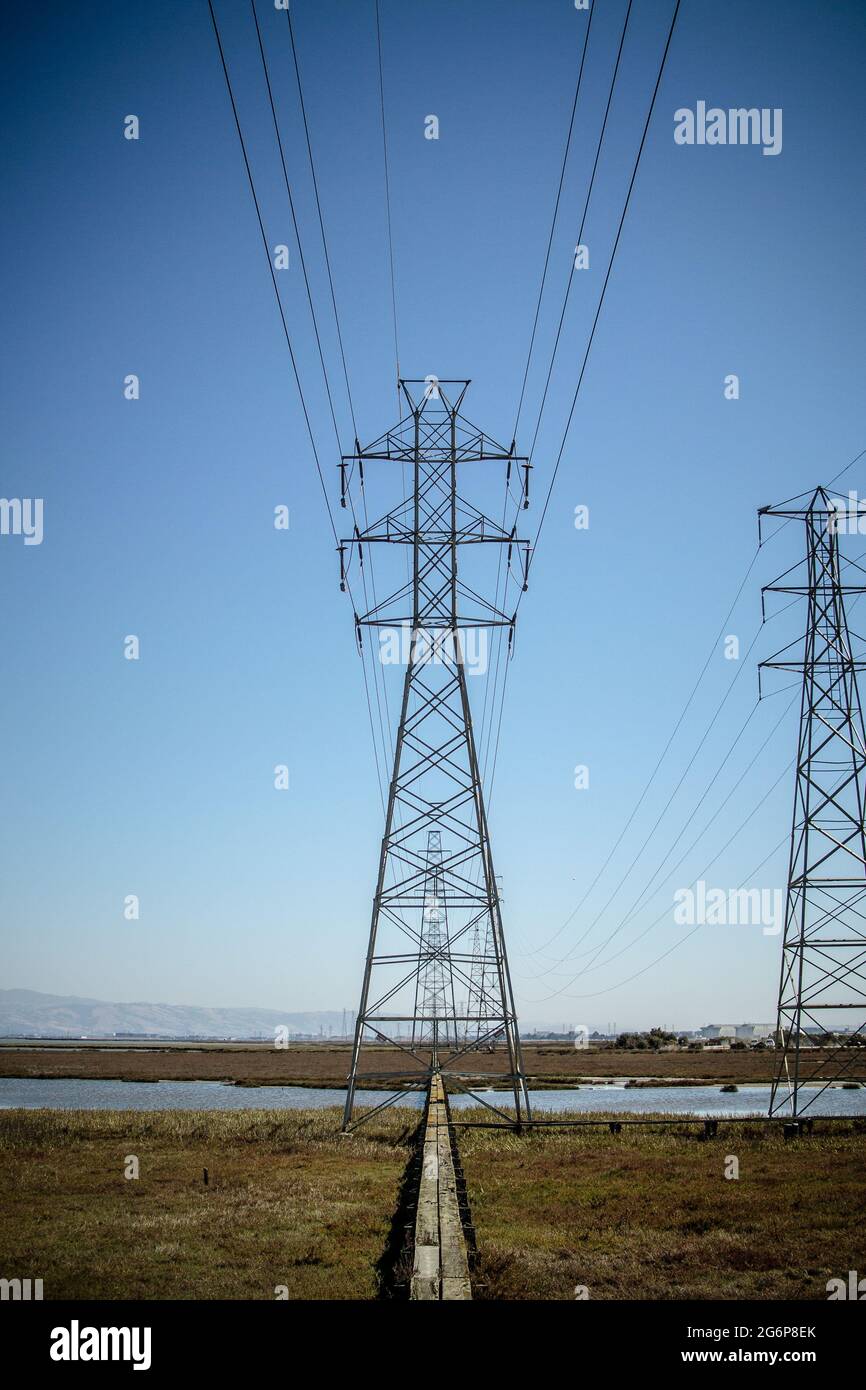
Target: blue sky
column 155, row 777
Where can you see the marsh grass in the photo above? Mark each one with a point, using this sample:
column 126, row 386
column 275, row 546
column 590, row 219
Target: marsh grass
column 649, row 1213
column 645, row 1214
column 258, row 1064
column 288, row 1202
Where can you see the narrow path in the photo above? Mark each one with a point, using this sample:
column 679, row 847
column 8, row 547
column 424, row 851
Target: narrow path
column 441, row 1268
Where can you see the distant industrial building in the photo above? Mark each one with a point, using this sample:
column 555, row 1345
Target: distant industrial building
column 737, row 1032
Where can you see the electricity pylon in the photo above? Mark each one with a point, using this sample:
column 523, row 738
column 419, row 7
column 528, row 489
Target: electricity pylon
column 823, row 971
column 435, row 1007
column 436, row 841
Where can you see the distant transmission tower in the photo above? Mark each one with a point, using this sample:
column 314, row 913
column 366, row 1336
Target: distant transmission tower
column 823, row 976
column 435, row 1009
column 436, row 930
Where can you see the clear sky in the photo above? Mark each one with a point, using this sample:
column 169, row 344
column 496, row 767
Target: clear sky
column 156, row 777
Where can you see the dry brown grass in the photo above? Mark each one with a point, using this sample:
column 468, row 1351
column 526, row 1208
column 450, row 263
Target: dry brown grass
column 328, row 1065
column 649, row 1214
column 288, row 1202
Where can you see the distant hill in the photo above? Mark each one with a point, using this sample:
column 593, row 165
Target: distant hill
column 25, row 1011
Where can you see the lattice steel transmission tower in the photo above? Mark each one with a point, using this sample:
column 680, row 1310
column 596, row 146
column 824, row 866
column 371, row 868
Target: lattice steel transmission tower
column 823, row 972
column 436, row 892
column 435, row 1007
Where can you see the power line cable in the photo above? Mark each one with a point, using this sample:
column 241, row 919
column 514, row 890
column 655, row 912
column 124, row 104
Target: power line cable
column 283, row 321
column 707, row 867
column 670, row 799
column 572, row 271
column 539, row 950
column 651, row 779
column 267, row 251
column 703, row 832
column 321, row 218
column 538, row 306
column 291, row 201
column 313, row 316
column 553, row 219
column 677, row 944
column 604, row 288
column 662, row 915
column 533, row 549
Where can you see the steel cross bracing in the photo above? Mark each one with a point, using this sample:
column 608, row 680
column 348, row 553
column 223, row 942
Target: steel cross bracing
column 436, row 986
column 823, row 973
